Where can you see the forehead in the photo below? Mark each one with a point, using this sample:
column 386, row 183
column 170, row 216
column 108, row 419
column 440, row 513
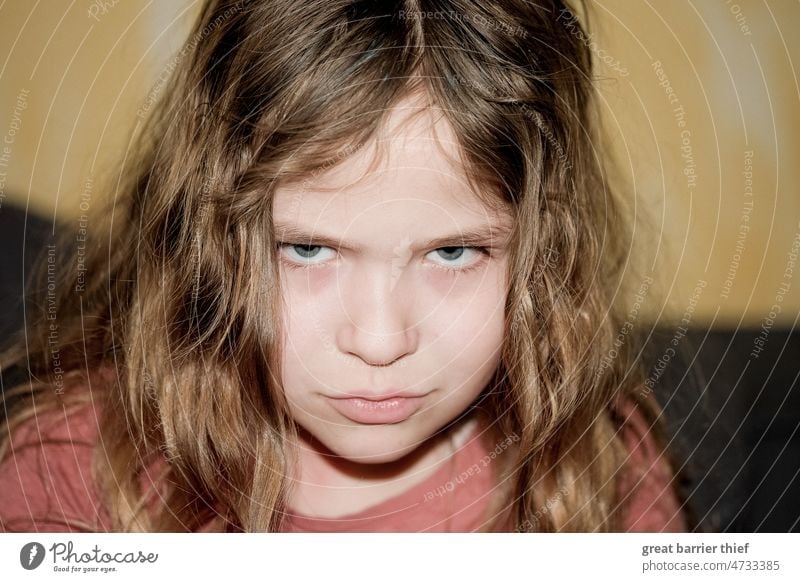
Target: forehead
column 412, row 166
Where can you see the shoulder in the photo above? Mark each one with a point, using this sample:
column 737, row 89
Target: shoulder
column 46, row 475
column 647, row 487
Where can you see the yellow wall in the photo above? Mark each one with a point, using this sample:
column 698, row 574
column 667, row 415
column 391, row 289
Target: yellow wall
column 733, row 68
column 74, row 77
column 71, row 84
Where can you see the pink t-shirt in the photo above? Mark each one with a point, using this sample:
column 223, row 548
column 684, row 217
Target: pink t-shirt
column 44, row 485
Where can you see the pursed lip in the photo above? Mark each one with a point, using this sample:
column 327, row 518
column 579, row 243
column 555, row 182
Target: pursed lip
column 386, row 410
column 378, row 397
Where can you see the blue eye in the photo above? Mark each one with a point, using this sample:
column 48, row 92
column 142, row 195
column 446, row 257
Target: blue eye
column 459, row 258
column 305, row 254
column 308, row 251
column 451, row 252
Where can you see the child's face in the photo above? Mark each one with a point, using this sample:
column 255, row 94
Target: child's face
column 388, row 310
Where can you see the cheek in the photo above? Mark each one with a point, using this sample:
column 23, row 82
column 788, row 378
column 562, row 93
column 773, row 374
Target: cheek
column 473, row 336
column 470, row 333
column 306, row 339
column 469, row 306
column 307, row 283
column 307, row 298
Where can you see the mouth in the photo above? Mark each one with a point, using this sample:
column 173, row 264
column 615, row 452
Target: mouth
column 387, row 410
column 378, row 397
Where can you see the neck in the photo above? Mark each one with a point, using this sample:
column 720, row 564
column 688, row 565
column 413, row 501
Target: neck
column 329, row 486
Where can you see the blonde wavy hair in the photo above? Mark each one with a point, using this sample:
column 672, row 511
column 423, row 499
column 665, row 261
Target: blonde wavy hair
column 180, row 291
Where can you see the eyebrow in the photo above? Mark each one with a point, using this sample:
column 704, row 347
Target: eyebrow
column 479, row 236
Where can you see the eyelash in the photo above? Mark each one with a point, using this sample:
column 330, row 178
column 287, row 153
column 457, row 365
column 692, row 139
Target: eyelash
column 484, row 252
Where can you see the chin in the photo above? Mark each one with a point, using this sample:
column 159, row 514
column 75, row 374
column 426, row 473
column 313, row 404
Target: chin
column 371, row 445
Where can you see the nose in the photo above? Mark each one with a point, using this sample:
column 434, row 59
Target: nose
column 378, row 323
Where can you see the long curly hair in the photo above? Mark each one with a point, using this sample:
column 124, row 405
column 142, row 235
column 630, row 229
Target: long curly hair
column 172, row 318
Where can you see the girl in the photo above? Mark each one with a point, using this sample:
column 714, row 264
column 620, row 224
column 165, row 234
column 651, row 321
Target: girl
column 361, row 279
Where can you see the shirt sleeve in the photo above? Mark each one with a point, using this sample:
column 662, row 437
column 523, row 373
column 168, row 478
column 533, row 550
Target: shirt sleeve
column 648, row 489
column 46, row 482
